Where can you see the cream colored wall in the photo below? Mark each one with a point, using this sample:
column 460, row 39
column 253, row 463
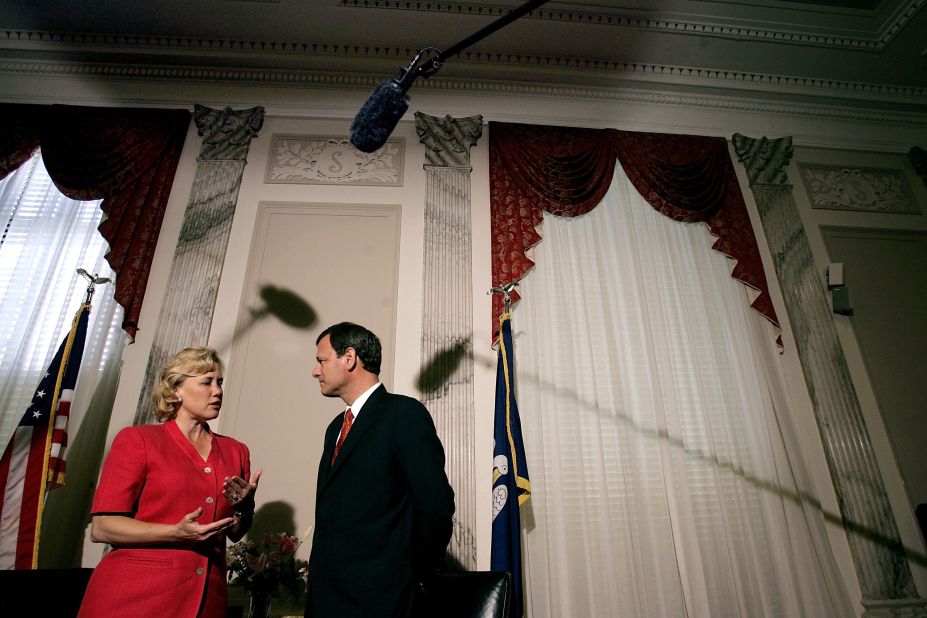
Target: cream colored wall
column 484, row 369
column 288, row 442
column 328, row 112
column 343, row 261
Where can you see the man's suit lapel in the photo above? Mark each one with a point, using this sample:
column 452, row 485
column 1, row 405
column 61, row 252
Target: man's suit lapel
column 368, row 417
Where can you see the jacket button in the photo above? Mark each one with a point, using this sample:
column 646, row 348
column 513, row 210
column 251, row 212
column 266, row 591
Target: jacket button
column 199, row 570
column 207, row 469
column 208, row 499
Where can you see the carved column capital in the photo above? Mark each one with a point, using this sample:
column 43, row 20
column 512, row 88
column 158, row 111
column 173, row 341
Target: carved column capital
column 766, row 160
column 448, row 140
column 226, row 133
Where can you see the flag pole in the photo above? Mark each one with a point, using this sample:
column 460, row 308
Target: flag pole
column 506, row 291
column 43, row 479
column 92, row 282
column 511, row 487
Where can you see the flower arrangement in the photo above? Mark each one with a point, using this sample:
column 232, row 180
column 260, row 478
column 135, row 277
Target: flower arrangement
column 265, row 567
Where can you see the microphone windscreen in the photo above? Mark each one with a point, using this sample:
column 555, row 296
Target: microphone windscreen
column 379, row 115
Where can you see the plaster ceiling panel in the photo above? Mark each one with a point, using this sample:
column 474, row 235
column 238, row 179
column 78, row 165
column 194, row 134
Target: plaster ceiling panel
column 386, row 21
column 866, row 41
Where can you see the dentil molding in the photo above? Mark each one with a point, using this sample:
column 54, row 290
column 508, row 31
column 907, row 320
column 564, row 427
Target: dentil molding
column 300, row 62
column 880, row 35
column 658, row 85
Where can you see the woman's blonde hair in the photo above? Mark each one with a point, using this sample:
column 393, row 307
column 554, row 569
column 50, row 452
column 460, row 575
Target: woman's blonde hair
column 188, row 362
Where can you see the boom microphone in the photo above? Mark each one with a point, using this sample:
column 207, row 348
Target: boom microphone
column 379, row 116
column 388, row 102
column 382, row 110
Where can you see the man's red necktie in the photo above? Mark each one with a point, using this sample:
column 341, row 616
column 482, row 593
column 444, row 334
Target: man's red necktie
column 345, row 428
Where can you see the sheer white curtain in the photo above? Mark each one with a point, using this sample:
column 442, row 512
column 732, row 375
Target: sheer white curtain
column 663, row 484
column 44, row 238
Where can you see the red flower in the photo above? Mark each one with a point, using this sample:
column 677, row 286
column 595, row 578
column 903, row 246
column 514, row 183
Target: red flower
column 267, row 565
column 288, row 544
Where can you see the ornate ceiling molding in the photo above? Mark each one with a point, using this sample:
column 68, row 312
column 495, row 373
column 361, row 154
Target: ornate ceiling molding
column 875, row 40
column 307, row 63
column 45, row 41
column 627, row 90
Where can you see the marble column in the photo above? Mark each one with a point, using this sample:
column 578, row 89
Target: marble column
column 881, row 566
column 187, row 311
column 447, row 322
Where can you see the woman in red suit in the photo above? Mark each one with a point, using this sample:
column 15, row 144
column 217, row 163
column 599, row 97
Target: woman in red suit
column 169, row 495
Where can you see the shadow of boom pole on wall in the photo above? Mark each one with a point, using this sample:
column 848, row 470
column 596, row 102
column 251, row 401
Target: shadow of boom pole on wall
column 437, row 373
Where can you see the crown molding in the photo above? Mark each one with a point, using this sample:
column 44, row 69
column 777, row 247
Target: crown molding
column 682, row 99
column 37, row 41
column 638, row 84
column 874, row 40
column 706, row 77
column 272, row 61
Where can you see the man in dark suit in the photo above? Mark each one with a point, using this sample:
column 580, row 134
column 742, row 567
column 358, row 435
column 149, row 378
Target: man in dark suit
column 383, row 503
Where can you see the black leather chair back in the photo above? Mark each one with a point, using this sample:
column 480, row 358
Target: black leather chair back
column 43, row 592
column 473, row 594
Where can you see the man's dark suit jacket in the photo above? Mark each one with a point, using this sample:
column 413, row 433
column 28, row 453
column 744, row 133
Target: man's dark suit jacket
column 383, row 512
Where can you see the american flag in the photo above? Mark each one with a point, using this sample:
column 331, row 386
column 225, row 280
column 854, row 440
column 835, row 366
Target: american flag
column 33, row 462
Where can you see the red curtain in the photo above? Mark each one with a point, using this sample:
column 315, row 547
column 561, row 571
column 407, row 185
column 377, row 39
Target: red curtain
column 126, row 157
column 567, row 171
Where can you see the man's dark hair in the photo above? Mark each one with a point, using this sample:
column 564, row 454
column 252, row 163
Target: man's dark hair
column 346, row 335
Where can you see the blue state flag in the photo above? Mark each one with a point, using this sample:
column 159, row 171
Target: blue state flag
column 510, row 485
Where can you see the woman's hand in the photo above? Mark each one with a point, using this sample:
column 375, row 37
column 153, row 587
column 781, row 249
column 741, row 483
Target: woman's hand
column 238, row 491
column 240, row 494
column 188, row 529
column 129, row 532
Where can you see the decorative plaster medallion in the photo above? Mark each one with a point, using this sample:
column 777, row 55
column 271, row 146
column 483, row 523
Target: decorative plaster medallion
column 832, row 187
column 324, row 160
